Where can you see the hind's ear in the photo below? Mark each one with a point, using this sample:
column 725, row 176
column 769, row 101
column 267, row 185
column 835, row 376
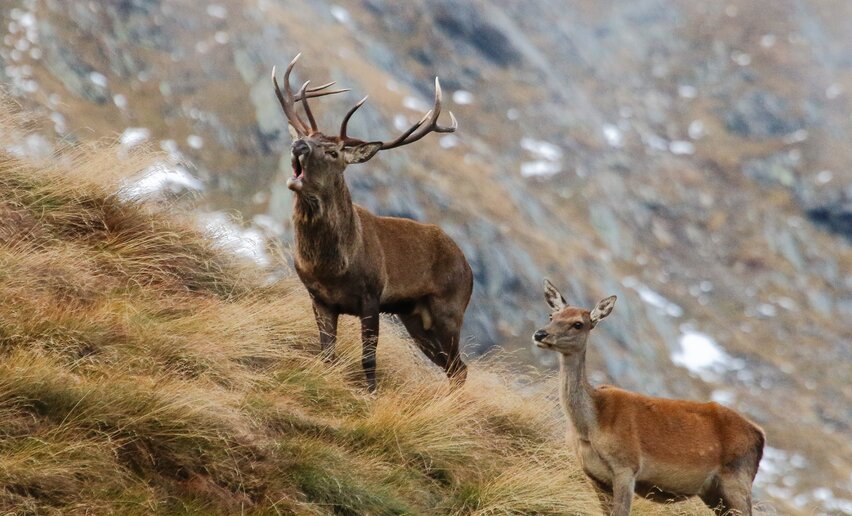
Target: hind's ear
column 553, row 297
column 603, row 308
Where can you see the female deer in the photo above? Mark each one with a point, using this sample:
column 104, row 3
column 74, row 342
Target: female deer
column 630, row 442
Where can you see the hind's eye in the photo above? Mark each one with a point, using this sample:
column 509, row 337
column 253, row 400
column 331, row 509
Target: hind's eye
column 333, row 154
column 578, row 325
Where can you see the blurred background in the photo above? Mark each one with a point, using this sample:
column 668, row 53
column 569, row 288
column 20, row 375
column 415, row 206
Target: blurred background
column 693, row 158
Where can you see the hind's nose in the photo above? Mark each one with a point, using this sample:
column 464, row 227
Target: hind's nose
column 540, row 335
column 300, row 147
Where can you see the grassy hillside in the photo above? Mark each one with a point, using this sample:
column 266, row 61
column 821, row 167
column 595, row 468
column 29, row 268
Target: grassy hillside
column 144, row 369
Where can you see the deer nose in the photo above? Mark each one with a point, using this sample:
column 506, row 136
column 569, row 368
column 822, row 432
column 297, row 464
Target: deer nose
column 300, row 147
column 540, row 335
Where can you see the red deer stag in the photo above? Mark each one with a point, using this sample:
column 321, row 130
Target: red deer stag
column 356, row 263
column 630, row 442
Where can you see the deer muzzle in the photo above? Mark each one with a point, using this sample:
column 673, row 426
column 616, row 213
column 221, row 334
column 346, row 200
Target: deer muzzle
column 298, row 157
column 538, row 338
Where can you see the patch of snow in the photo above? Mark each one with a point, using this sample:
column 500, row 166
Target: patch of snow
column 824, row 176
column 796, row 136
column 723, row 397
column 681, row 147
column 245, row 242
column 341, row 14
column 195, row 141
column 448, row 141
column 687, row 91
column 217, row 11
column 787, row 304
column 655, row 142
column 696, row 129
column 768, row 40
column 416, row 104
column 731, row 11
column 652, row 297
column 98, row 79
column 513, row 114
column 171, row 147
column 833, row 91
column 612, row 135
column 268, row 224
column 58, row 122
column 32, row 146
column 222, row 37
column 540, row 168
column 120, row 101
column 133, row 136
column 700, row 354
column 462, row 97
column 541, row 149
column 392, row 85
column 159, row 179
column 741, row 58
column 767, row 310
column 400, row 122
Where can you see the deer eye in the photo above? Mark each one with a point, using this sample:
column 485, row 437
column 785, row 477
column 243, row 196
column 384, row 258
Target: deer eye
column 578, row 325
column 332, row 154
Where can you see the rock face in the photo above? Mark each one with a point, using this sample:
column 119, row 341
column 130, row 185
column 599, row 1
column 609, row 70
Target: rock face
column 691, row 158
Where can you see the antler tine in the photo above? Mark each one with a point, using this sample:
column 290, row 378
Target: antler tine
column 422, row 128
column 348, row 116
column 315, row 92
column 286, row 102
column 307, row 106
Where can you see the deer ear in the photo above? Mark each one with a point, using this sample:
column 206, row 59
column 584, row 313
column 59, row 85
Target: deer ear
column 553, row 297
column 294, row 134
column 361, row 152
column 603, row 308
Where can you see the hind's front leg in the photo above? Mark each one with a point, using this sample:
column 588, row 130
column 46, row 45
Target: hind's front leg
column 370, row 340
column 327, row 324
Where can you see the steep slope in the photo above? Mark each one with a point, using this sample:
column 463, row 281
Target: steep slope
column 689, row 158
column 145, row 369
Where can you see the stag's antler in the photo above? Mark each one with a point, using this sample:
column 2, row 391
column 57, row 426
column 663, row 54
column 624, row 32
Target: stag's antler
column 427, row 124
column 288, row 102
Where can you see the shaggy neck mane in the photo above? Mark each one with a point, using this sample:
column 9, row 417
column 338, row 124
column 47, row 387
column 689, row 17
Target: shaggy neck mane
column 326, row 227
column 576, row 393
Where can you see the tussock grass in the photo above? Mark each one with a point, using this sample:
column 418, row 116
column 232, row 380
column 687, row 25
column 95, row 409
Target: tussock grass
column 144, row 370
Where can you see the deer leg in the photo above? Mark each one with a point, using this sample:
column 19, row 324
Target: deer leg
column 623, row 484
column 456, row 368
column 439, row 346
column 735, row 488
column 327, row 324
column 370, row 339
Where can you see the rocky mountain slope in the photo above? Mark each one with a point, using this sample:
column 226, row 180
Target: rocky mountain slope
column 690, row 158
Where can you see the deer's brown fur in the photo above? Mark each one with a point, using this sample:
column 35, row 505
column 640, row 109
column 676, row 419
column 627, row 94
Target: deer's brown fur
column 354, row 262
column 630, row 442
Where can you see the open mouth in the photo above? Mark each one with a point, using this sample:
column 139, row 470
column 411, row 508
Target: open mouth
column 297, row 162
column 542, row 345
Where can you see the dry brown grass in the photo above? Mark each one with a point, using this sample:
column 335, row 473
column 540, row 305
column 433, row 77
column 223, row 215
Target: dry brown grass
column 144, row 370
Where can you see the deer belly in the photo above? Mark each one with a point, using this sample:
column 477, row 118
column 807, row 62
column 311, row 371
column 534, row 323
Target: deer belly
column 684, row 479
column 592, row 463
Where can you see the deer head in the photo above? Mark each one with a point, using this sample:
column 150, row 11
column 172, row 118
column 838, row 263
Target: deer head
column 319, row 159
column 569, row 326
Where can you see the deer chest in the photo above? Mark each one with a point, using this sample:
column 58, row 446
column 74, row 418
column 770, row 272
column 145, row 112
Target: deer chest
column 344, row 294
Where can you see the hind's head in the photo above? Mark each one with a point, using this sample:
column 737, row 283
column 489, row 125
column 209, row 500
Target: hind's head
column 569, row 326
